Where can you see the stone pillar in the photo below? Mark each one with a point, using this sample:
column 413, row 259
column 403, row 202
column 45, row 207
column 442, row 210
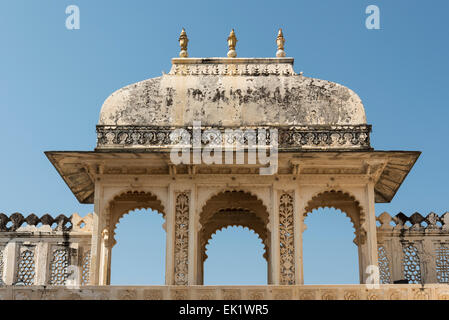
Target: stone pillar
column 10, row 257
column 97, row 228
column 369, row 249
column 396, row 259
column 170, row 242
column 428, row 261
column 105, row 260
column 274, row 230
column 193, row 244
column 42, row 251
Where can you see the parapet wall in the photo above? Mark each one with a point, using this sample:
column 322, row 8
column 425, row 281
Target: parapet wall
column 46, row 250
column 56, row 251
column 414, row 248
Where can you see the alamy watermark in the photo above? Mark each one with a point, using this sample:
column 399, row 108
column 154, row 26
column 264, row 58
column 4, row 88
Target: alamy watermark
column 373, row 20
column 214, row 146
column 373, row 279
column 72, row 22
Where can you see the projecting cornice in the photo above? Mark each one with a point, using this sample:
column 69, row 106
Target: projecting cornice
column 386, row 169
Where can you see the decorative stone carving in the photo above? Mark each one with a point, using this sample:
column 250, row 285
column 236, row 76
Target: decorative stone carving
column 373, row 296
column 328, row 295
column 48, row 295
column 384, row 265
column 127, row 294
column 286, row 239
column 179, row 294
column 60, row 223
column 282, row 294
column 351, row 295
column 443, row 295
column 420, row 294
column 290, row 138
column 152, row 294
column 59, row 267
column 26, row 267
column 434, row 222
column 307, row 295
column 442, row 263
column 231, row 294
column 1, row 265
column 85, row 268
column 182, row 238
column 206, row 294
column 411, row 263
column 255, row 294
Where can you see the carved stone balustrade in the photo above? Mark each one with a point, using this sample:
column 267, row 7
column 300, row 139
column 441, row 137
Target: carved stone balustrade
column 46, row 250
column 414, row 248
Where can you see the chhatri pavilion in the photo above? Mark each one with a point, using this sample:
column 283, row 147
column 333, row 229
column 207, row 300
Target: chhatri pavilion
column 220, row 142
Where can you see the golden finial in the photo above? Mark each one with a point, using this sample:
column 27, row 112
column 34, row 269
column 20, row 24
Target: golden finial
column 232, row 41
column 280, row 43
column 183, row 41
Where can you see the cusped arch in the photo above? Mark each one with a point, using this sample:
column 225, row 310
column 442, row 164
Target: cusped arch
column 234, row 218
column 127, row 201
column 233, row 207
column 344, row 201
column 257, row 232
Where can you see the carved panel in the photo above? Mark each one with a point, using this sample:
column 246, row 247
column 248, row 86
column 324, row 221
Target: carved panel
column 442, row 263
column 411, row 263
column 26, row 267
column 85, row 268
column 1, row 265
column 384, row 265
column 153, row 294
column 59, row 267
column 286, row 239
column 182, row 238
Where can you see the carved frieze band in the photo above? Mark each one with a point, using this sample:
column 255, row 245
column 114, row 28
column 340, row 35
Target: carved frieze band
column 286, row 239
column 289, row 138
column 182, row 237
column 262, row 69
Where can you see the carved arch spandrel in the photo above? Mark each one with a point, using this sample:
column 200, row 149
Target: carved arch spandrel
column 161, row 193
column 208, row 192
column 341, row 200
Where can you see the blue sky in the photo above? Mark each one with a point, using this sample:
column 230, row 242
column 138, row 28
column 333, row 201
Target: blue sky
column 53, row 82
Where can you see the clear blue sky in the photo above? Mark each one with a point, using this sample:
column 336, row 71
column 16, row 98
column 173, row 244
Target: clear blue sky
column 53, row 82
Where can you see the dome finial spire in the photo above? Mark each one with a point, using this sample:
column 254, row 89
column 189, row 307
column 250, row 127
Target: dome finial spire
column 232, row 41
column 280, row 40
column 183, row 41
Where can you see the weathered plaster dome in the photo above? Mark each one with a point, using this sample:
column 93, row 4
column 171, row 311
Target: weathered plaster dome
column 235, row 92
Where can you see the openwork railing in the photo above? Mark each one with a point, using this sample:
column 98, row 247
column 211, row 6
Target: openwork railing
column 311, row 137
